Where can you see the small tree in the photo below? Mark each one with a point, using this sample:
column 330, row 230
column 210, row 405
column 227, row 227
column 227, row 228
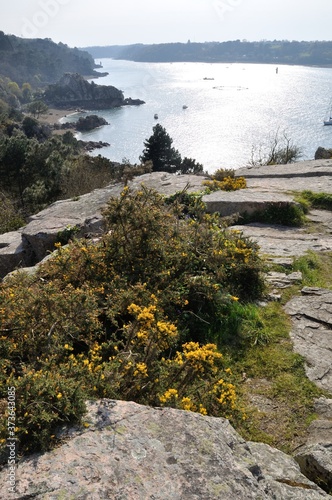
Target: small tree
column 158, row 149
column 37, row 108
column 281, row 151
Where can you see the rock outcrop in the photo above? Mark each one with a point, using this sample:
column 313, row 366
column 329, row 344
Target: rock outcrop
column 73, row 91
column 315, row 458
column 315, row 175
column 136, row 452
column 323, row 154
column 311, row 332
column 90, row 122
column 83, row 215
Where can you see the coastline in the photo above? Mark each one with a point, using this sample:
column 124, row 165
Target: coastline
column 54, row 115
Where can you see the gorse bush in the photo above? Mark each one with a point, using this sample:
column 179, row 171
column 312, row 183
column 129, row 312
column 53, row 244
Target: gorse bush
column 136, row 316
column 224, row 179
column 227, row 184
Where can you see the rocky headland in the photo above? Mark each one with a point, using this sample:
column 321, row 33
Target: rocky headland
column 73, row 91
column 130, row 451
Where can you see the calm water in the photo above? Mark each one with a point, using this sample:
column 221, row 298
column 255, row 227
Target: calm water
column 231, row 109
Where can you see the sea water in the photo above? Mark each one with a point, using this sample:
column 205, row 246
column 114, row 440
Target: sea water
column 230, row 110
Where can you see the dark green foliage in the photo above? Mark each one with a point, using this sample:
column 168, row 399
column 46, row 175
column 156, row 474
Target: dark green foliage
column 285, row 214
column 318, row 200
column 37, row 108
column 41, row 61
column 84, row 124
column 190, row 166
column 158, row 149
column 165, row 158
column 32, row 128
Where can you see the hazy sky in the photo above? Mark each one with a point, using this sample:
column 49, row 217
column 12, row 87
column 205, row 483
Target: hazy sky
column 101, row 22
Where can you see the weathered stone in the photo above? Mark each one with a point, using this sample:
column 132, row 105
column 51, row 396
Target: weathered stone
column 282, row 470
column 244, row 201
column 316, row 462
column 283, row 280
column 284, row 241
column 315, row 458
column 12, row 252
column 323, row 407
column 323, row 154
column 315, row 175
column 136, row 452
column 286, row 262
column 311, row 333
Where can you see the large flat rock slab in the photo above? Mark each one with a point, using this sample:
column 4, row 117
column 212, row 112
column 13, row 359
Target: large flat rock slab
column 137, row 452
column 244, row 201
column 169, row 184
column 84, row 213
column 284, row 241
column 315, row 175
column 311, row 333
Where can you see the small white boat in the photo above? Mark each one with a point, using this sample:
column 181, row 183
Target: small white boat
column 184, row 106
column 156, row 116
column 329, row 120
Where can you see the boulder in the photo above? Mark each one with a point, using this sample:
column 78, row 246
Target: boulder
column 322, row 153
column 311, row 332
column 136, row 452
column 12, row 252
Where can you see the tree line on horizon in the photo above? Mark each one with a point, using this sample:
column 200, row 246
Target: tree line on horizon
column 276, row 52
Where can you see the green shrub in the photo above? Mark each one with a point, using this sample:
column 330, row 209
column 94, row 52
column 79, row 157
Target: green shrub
column 136, row 316
column 286, row 214
column 317, row 200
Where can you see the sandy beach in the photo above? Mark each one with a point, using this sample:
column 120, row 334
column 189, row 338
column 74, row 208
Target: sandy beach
column 53, row 115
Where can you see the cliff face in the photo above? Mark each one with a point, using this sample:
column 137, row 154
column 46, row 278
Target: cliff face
column 72, row 90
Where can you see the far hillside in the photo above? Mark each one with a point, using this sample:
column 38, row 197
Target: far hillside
column 274, row 52
column 41, row 61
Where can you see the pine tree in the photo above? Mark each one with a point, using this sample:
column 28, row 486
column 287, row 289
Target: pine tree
column 158, row 149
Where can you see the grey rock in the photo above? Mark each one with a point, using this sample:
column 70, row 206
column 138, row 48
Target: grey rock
column 283, row 280
column 12, row 252
column 316, row 462
column 286, row 262
column 282, row 470
column 323, row 153
column 284, row 241
column 315, row 457
column 136, row 452
column 315, row 175
column 244, row 201
column 323, row 406
column 311, row 333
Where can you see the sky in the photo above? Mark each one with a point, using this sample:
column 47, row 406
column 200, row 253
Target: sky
column 82, row 23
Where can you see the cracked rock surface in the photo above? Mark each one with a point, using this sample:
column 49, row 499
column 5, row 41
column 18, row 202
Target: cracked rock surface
column 138, row 453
